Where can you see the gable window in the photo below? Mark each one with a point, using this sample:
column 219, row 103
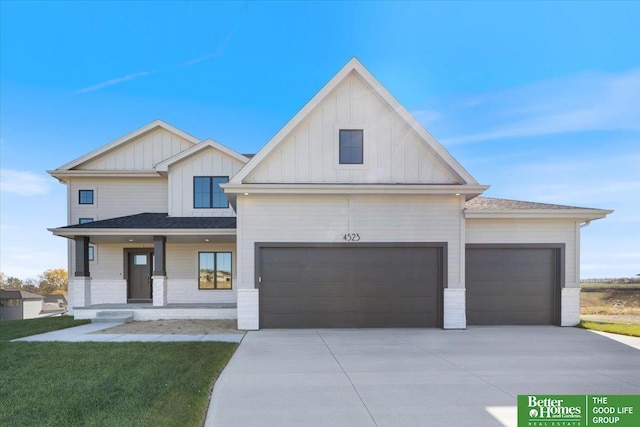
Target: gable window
column 85, row 220
column 214, row 270
column 207, row 192
column 85, row 197
column 351, row 146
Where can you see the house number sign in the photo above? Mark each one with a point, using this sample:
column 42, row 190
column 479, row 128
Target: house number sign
column 351, row 237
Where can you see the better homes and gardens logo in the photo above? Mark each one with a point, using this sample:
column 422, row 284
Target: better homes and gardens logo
column 578, row 410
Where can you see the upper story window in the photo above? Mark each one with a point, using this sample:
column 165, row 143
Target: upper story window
column 85, row 220
column 85, row 197
column 351, row 146
column 207, row 192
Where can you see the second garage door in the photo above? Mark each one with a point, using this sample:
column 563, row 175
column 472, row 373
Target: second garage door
column 512, row 284
column 326, row 286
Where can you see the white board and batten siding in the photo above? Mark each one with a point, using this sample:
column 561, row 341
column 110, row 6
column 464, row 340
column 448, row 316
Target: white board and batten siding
column 393, row 152
column 141, row 153
column 326, row 218
column 116, row 197
column 522, row 231
column 208, row 162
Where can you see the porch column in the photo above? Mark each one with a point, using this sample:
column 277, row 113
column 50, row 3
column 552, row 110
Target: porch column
column 82, row 278
column 160, row 271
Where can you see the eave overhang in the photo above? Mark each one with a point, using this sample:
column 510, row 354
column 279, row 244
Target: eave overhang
column 573, row 214
column 72, row 232
column 296, row 188
column 64, row 175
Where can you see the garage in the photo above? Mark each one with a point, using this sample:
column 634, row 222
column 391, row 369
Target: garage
column 513, row 284
column 350, row 286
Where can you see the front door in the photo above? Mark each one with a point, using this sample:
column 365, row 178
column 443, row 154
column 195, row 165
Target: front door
column 139, row 276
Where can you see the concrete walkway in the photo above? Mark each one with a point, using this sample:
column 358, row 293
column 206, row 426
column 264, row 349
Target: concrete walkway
column 412, row 377
column 85, row 333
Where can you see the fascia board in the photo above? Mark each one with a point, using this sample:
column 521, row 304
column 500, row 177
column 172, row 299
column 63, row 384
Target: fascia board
column 232, row 188
column 582, row 214
column 163, row 166
column 131, row 135
column 70, row 232
column 63, row 175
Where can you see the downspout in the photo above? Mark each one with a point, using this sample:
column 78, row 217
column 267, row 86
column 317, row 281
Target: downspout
column 585, row 224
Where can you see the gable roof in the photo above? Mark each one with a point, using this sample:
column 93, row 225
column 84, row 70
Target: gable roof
column 488, row 207
column 18, row 293
column 163, row 166
column 123, row 140
column 355, row 66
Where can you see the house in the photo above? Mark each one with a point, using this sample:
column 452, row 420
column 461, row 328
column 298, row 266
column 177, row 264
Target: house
column 18, row 304
column 55, row 302
column 352, row 215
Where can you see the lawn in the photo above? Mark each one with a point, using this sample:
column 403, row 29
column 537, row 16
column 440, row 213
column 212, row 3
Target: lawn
column 107, row 384
column 632, row 330
column 12, row 329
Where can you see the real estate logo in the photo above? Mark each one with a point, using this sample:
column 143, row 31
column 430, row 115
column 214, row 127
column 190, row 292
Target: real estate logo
column 578, row 410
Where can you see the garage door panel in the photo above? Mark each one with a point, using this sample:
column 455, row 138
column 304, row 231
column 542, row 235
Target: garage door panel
column 511, row 285
column 296, row 289
column 355, row 286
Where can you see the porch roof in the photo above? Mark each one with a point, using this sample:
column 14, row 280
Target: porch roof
column 159, row 221
column 142, row 227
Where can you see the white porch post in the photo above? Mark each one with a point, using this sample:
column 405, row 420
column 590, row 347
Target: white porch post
column 160, row 271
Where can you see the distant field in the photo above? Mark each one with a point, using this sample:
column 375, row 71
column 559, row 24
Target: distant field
column 589, row 286
column 610, row 303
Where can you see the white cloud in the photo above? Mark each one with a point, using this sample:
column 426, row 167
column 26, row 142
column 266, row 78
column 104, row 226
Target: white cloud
column 587, row 102
column 114, row 81
column 23, row 183
column 426, row 117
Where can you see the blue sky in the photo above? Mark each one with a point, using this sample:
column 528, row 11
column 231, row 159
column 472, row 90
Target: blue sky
column 539, row 100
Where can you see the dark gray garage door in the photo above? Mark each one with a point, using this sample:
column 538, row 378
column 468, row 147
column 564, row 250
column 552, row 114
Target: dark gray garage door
column 325, row 286
column 512, row 285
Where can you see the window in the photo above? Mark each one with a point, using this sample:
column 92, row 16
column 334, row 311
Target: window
column 85, row 220
column 2, row 303
column 92, row 253
column 207, row 192
column 351, row 146
column 214, row 270
column 140, row 259
column 10, row 302
column 85, row 197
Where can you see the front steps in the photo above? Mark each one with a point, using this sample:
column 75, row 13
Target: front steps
column 113, row 317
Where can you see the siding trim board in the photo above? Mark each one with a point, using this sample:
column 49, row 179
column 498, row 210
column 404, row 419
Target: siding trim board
column 558, row 274
column 440, row 275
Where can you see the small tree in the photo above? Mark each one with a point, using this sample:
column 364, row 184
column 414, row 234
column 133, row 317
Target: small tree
column 53, row 281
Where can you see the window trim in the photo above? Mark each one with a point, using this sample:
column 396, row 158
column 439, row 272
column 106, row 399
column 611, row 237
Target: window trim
column 215, row 268
column 340, row 162
column 211, row 192
column 93, row 196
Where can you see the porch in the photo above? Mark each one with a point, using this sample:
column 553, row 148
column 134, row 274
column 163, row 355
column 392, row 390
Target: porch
column 146, row 311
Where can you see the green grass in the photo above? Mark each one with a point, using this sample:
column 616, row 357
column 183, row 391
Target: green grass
column 622, row 329
column 108, row 384
column 12, row 329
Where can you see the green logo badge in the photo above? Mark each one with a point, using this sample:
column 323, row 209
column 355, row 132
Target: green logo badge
column 578, row 410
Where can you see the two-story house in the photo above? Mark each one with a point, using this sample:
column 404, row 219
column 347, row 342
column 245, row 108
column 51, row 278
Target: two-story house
column 352, row 215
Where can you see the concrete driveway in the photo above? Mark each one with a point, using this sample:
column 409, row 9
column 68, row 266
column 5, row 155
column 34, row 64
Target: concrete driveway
column 412, row 377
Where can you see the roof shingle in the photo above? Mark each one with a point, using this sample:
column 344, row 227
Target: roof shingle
column 492, row 204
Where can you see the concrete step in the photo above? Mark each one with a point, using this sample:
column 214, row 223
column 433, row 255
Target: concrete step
column 113, row 317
